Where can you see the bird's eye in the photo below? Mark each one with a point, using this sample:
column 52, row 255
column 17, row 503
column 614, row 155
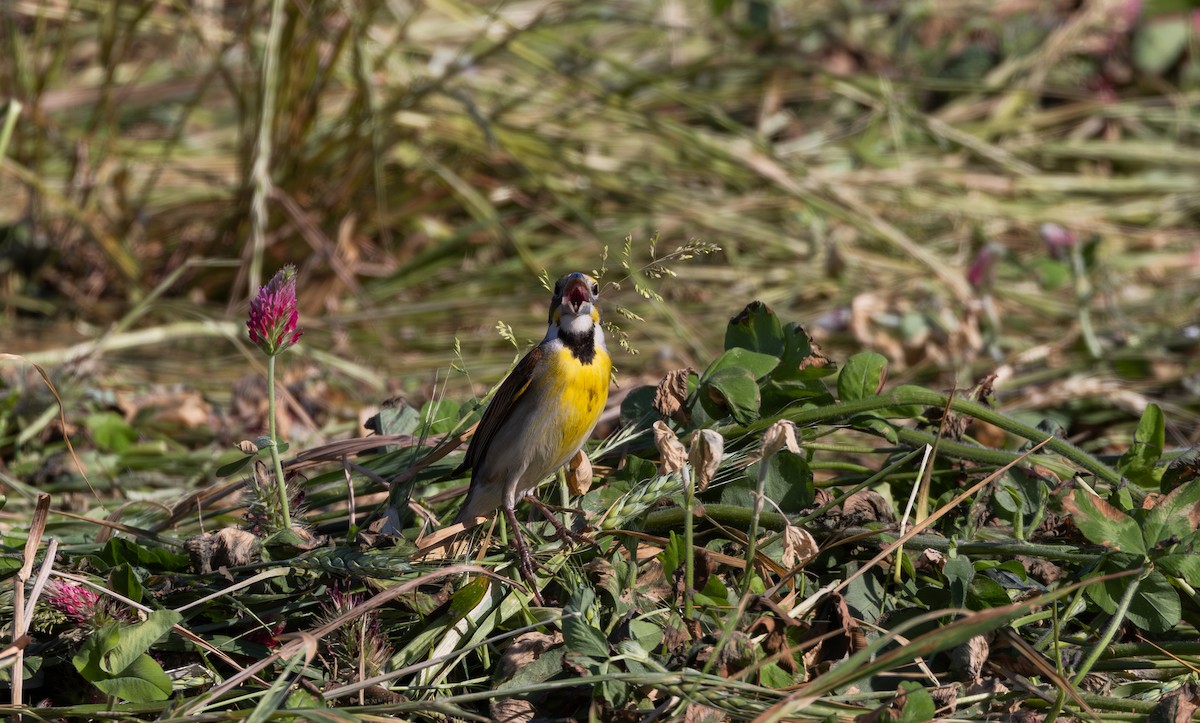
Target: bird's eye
column 595, row 289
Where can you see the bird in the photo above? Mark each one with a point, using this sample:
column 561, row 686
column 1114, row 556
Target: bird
column 542, row 413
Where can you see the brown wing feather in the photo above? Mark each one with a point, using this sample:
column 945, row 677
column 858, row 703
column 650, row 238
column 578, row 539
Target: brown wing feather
column 500, row 408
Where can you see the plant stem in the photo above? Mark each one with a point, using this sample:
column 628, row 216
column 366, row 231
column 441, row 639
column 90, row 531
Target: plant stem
column 281, row 484
column 10, row 122
column 1106, row 637
column 752, row 539
column 689, row 559
column 905, row 396
column 260, row 170
column 1113, row 625
column 735, row 516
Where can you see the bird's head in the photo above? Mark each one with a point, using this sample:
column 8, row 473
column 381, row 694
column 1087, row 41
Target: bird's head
column 574, row 306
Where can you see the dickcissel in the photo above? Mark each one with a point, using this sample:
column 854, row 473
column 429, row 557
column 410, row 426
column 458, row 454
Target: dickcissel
column 543, row 411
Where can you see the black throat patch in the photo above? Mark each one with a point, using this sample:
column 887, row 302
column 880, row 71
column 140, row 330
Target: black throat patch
column 581, row 345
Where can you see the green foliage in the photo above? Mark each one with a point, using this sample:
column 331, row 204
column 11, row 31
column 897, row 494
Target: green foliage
column 1138, row 464
column 1164, row 537
column 918, row 705
column 583, row 637
column 673, row 554
column 1022, row 498
column 121, row 551
column 789, row 483
column 123, row 580
column 437, row 156
column 1155, row 604
column 630, row 632
column 766, row 367
column 111, row 432
column 439, row 416
column 1106, row 525
column 862, row 377
column 114, row 659
column 756, row 329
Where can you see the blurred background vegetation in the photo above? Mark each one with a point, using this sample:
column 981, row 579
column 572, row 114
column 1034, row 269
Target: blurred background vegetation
column 965, row 186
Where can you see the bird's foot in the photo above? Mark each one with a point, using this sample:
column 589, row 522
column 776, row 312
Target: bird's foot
column 565, row 534
column 525, row 561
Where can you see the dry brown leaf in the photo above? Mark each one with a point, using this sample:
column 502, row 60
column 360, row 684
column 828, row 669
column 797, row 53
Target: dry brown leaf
column 239, row 546
column 771, row 630
column 799, row 546
column 227, row 547
column 832, row 614
column 867, row 506
column 697, row 713
column 1042, row 570
column 1178, row 706
column 929, row 559
column 892, row 710
column 708, row 447
column 511, row 710
column 671, row 453
column 524, row 650
column 192, row 412
column 944, row 696
column 987, row 686
column 670, row 397
column 579, row 474
column 968, row 658
column 780, row 435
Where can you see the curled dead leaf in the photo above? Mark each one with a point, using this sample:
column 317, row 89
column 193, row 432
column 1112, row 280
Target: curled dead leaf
column 579, row 474
column 699, row 713
column 780, row 435
column 671, row 453
column 1178, row 706
column 511, row 710
column 670, row 396
column 833, row 614
column 867, row 506
column 708, row 447
column 799, row 547
column 929, row 559
column 524, row 650
column 944, row 696
column 968, row 658
column 227, row 547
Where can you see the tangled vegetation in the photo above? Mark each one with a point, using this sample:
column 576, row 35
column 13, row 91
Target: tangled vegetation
column 963, row 488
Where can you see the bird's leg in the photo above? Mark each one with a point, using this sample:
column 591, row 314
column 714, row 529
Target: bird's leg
column 564, row 533
column 525, row 561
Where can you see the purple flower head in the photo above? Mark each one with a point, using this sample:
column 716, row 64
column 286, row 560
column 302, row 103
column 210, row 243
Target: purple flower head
column 78, row 603
column 1057, row 239
column 982, row 271
column 273, row 317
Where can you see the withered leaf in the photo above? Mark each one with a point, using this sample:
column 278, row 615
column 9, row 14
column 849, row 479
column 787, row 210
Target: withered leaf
column 672, row 455
column 708, row 448
column 670, row 396
column 579, row 474
column 780, row 435
column 799, row 546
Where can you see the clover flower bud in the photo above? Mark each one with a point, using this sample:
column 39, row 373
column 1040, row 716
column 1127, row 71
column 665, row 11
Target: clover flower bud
column 273, row 320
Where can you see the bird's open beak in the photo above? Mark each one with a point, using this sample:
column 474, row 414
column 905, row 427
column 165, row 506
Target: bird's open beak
column 576, row 295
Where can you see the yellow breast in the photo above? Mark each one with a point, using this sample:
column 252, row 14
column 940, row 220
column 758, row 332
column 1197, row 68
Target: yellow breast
column 582, row 390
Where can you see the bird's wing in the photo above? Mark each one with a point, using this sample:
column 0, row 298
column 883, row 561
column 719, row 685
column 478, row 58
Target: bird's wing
column 501, row 407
